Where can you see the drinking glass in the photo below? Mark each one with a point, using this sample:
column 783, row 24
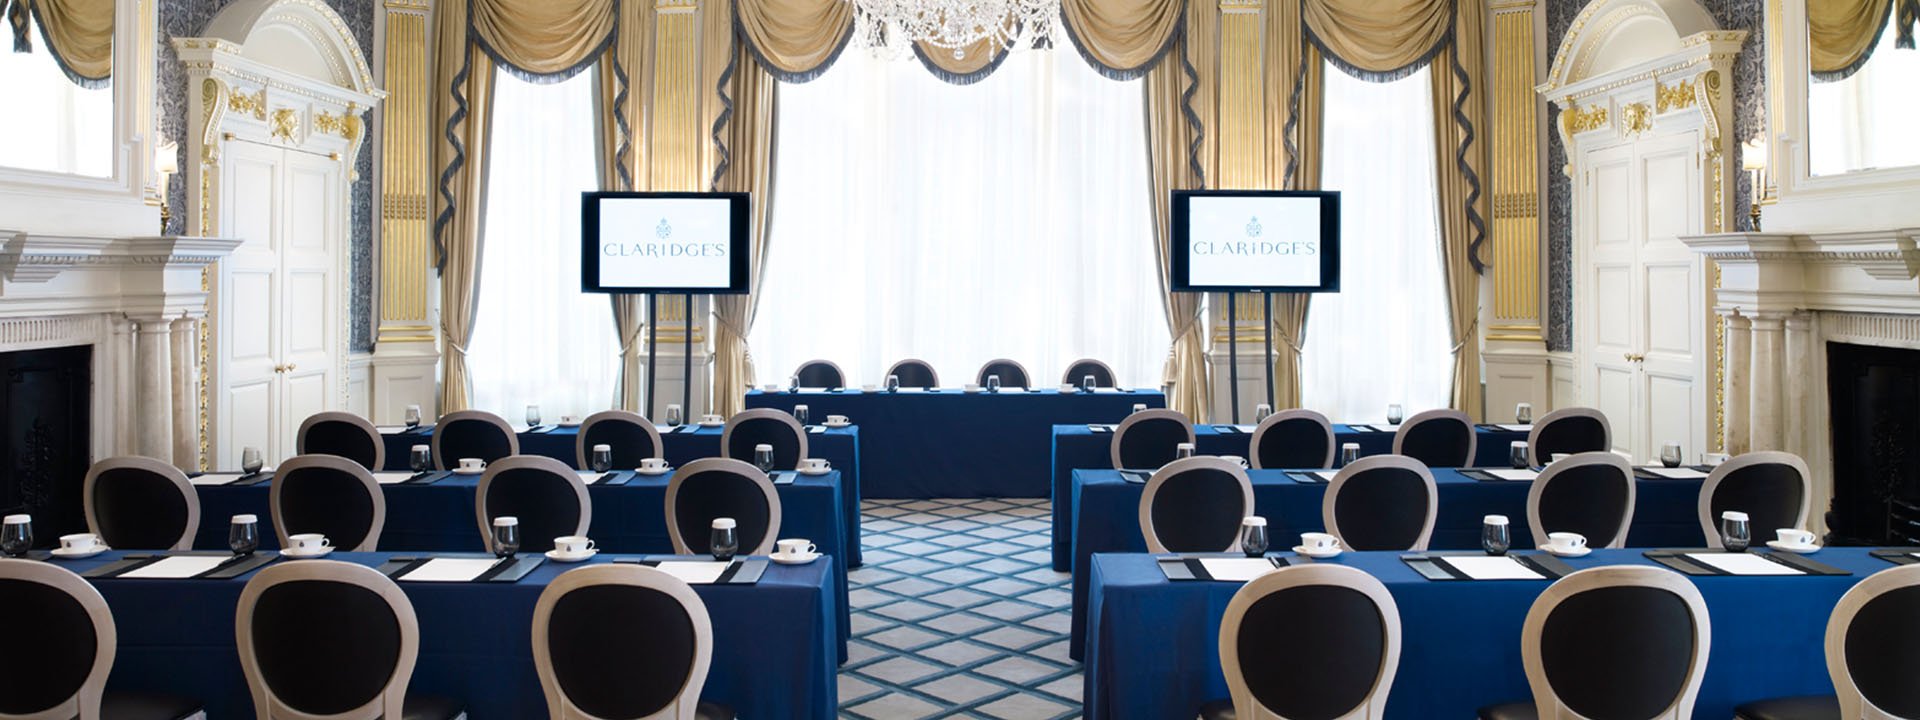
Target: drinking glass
column 420, row 458
column 725, row 540
column 1734, row 533
column 1261, row 412
column 533, row 416
column 1523, row 414
column 243, row 536
column 1494, row 537
column 506, row 537
column 1253, row 536
column 1349, row 453
column 1395, row 414
column 413, row 416
column 250, row 460
column 16, row 536
column 1183, row 451
column 800, row 413
column 673, row 416
column 1517, row 456
column 1670, row 455
column 793, row 383
column 993, row 383
column 1086, row 383
column 602, row 459
column 763, row 458
column 893, row 383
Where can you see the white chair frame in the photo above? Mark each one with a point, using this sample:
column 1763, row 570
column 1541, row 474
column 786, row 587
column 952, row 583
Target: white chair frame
column 366, row 426
column 1296, row 576
column 581, row 449
column 1067, row 378
column 1852, row 703
column 1175, row 469
column 1120, row 432
column 1381, row 462
column 731, row 465
column 828, row 363
column 933, row 375
column 332, row 462
column 85, row 702
column 1546, row 703
column 1710, row 526
column 391, row 700
column 559, row 706
column 1585, row 459
column 799, row 431
column 1440, row 415
column 513, row 437
column 981, row 375
column 163, row 469
column 530, row 462
column 1253, row 445
column 1533, row 435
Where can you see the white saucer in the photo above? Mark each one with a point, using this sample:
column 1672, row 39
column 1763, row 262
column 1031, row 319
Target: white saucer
column 70, row 554
column 785, row 559
column 1548, row 549
column 468, row 471
column 557, row 556
column 975, row 390
column 722, row 423
column 1302, row 550
column 1801, row 549
column 836, row 426
column 653, row 473
column 814, row 472
column 298, row 554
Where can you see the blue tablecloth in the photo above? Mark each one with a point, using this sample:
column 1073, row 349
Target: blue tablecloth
column 1107, row 517
column 1154, row 647
column 952, row 444
column 476, row 641
column 839, row 446
column 630, row 518
column 1076, row 447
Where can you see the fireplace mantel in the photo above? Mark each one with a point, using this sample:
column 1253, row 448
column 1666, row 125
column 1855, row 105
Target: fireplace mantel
column 1858, row 272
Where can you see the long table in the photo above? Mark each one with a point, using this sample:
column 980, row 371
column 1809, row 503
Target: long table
column 953, row 444
column 1078, row 447
column 1153, row 651
column 1107, row 517
column 476, row 642
column 839, row 446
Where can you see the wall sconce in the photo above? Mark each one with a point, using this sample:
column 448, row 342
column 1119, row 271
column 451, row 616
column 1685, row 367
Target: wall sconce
column 1753, row 159
column 166, row 162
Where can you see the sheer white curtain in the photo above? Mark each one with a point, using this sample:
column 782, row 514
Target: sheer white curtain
column 957, row 224
column 1383, row 338
column 53, row 124
column 538, row 340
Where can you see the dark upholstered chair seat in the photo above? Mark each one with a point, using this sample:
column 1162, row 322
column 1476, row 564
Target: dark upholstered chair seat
column 1510, row 711
column 1805, row 707
column 712, row 711
column 1217, row 710
column 431, row 707
column 146, row 706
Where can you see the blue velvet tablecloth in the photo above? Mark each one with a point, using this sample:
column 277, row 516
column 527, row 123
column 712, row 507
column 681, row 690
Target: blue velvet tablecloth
column 1107, row 517
column 774, row 642
column 1153, row 651
column 838, row 446
column 952, row 444
column 1076, row 447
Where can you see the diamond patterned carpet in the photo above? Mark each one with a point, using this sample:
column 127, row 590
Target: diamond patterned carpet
column 957, row 614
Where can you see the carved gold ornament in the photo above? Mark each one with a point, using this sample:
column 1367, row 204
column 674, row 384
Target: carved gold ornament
column 346, row 125
column 1584, row 119
column 1636, row 118
column 255, row 104
column 1668, row 98
column 285, row 122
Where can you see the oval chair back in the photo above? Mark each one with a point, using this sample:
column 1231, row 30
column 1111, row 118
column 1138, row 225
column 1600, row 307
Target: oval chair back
column 821, row 374
column 139, row 503
column 548, row 497
column 344, row 434
column 1384, row 502
column 1439, row 438
column 330, row 495
column 748, row 428
column 326, row 639
column 1339, row 665
column 914, row 373
column 1148, row 439
column 711, row 488
column 1872, row 639
column 1568, row 431
column 1195, row 505
column 1616, row 642
column 621, row 641
column 1012, row 374
column 1591, row 493
column 472, row 434
column 631, row 437
column 58, row 661
column 1292, row 439
column 1772, row 488
column 1102, row 373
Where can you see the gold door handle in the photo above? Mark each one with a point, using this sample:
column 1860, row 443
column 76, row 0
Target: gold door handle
column 277, row 369
column 291, row 366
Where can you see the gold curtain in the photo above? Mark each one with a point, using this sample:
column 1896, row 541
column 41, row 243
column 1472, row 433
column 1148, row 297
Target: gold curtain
column 79, row 34
column 621, row 106
column 1126, row 37
column 1841, row 35
column 462, row 112
column 1460, row 160
column 746, row 165
column 1180, row 156
column 543, row 37
column 1379, row 36
column 794, row 39
column 1295, row 93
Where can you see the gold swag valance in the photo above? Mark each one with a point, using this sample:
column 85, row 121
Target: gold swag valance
column 795, row 40
column 79, row 34
column 1378, row 39
column 544, row 39
column 1841, row 34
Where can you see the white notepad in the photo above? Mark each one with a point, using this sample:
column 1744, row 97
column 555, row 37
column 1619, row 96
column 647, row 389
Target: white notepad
column 695, row 572
column 213, row 479
column 1513, row 474
column 175, row 568
column 1492, row 568
column 1236, row 569
column 390, row 429
column 1516, row 428
column 814, row 389
column 912, row 390
column 449, row 570
column 1325, row 475
column 1742, row 564
column 1246, row 428
column 1009, row 390
column 389, row 478
column 1679, row 473
column 589, row 477
column 1108, row 390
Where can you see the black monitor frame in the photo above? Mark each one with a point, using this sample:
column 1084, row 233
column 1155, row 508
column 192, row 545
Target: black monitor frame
column 740, row 243
column 1178, row 267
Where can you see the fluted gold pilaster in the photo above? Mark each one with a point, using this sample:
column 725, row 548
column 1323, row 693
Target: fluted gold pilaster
column 1515, row 181
column 406, row 166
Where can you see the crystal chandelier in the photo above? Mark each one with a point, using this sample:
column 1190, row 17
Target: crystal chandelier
column 892, row 26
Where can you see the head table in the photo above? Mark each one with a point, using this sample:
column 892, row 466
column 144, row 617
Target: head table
column 774, row 641
column 1153, row 646
column 1107, row 517
column 954, row 444
column 1078, row 447
column 685, row 444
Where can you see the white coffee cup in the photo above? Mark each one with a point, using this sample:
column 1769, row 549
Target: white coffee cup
column 471, row 464
column 1794, row 537
column 838, row 420
column 653, row 464
column 815, row 465
column 79, row 542
column 569, row 420
column 1235, row 459
column 771, row 387
column 869, row 388
column 1066, row 388
column 573, row 544
column 308, row 542
column 1566, row 541
column 1319, row 542
column 1557, row 457
column 796, row 546
column 710, row 419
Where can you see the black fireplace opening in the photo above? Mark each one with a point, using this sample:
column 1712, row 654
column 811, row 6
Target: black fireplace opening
column 1875, row 403
column 45, row 453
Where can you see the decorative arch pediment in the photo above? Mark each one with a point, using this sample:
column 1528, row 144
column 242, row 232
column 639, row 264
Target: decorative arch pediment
column 302, row 37
column 1613, row 34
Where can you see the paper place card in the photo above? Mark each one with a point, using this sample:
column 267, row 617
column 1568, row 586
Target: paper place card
column 695, row 572
column 1679, row 473
column 213, row 479
column 450, row 570
column 392, row 478
column 175, row 568
column 1742, row 564
column 1492, row 568
column 1513, row 474
column 1516, row 428
column 1236, row 569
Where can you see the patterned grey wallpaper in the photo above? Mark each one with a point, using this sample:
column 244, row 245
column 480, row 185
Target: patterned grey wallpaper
column 185, row 18
column 1749, row 120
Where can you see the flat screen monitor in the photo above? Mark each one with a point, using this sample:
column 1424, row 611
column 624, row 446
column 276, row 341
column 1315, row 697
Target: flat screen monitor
column 664, row 242
column 1255, row 241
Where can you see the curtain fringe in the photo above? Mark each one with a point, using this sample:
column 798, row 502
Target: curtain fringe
column 725, row 161
column 1479, row 224
column 1375, row 76
column 1132, row 73
column 539, row 78
column 17, row 16
column 1903, row 39
column 955, row 78
column 1908, row 17
column 1193, row 118
column 459, row 116
column 782, row 74
column 1287, row 134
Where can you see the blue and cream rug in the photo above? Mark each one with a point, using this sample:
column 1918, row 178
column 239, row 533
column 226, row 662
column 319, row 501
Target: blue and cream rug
column 958, row 614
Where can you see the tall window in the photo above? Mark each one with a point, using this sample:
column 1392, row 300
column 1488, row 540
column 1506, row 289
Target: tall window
column 1383, row 338
column 957, row 224
column 537, row 339
column 1867, row 120
column 53, row 124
